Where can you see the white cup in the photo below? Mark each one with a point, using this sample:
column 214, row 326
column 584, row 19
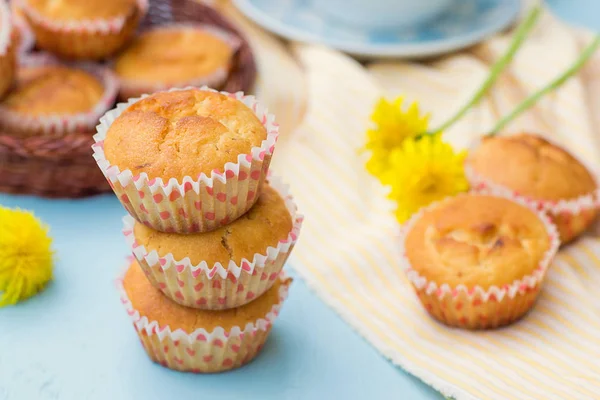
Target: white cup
column 382, row 14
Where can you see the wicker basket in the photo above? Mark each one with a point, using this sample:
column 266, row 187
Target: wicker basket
column 64, row 167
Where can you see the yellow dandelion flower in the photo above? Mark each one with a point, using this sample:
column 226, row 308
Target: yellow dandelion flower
column 25, row 256
column 393, row 126
column 422, row 171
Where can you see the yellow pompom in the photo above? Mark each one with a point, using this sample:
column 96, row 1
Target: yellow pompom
column 25, row 256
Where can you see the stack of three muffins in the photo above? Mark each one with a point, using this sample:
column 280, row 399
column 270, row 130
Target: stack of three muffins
column 210, row 232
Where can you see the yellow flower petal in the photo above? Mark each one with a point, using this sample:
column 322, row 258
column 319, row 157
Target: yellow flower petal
column 424, row 170
column 393, row 126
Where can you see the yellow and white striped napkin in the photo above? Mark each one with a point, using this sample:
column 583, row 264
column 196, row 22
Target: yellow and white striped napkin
column 348, row 251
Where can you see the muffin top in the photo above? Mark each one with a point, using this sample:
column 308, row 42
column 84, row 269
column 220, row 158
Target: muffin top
column 76, row 10
column 267, row 222
column 173, row 55
column 53, row 90
column 152, row 304
column 532, row 166
column 476, row 240
column 185, row 132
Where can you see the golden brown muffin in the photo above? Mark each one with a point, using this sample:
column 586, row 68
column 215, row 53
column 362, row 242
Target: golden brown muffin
column 167, row 56
column 199, row 344
column 537, row 169
column 267, row 222
column 52, row 90
column 77, row 10
column 477, row 241
column 83, row 29
column 532, row 166
column 224, row 268
column 182, row 133
column 151, row 303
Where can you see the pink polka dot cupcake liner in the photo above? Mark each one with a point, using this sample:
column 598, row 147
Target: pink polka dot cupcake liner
column 58, row 125
column 476, row 307
column 85, row 39
column 217, row 286
column 135, row 88
column 203, row 351
column 195, row 204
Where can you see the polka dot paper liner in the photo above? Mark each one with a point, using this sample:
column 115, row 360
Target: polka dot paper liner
column 134, row 88
column 476, row 307
column 203, row 351
column 217, row 286
column 195, row 204
column 57, row 125
column 83, row 39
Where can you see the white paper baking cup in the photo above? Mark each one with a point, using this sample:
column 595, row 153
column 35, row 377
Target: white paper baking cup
column 476, row 307
column 57, row 125
column 195, row 204
column 217, row 286
column 135, row 88
column 571, row 216
column 202, row 351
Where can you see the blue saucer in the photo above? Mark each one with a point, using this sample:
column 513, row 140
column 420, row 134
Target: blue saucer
column 465, row 23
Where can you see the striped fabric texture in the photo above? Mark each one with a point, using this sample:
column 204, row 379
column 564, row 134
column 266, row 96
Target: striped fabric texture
column 348, row 251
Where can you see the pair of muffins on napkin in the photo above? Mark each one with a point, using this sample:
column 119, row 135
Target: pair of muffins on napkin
column 64, row 89
column 478, row 260
column 210, row 231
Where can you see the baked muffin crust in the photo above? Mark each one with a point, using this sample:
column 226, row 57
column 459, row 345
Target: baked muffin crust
column 178, row 133
column 264, row 225
column 54, row 90
column 152, row 304
column 77, row 10
column 477, row 240
column 172, row 55
column 532, row 166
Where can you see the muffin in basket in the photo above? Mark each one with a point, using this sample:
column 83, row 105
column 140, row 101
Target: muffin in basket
column 478, row 260
column 8, row 44
column 83, row 29
column 531, row 167
column 53, row 99
column 187, row 160
column 200, row 341
column 176, row 55
column 224, row 268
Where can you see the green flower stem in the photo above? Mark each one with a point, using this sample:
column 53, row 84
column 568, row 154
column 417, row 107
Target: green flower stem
column 520, row 35
column 555, row 84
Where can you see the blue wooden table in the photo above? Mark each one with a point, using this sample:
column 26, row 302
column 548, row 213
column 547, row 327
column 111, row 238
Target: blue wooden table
column 75, row 342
